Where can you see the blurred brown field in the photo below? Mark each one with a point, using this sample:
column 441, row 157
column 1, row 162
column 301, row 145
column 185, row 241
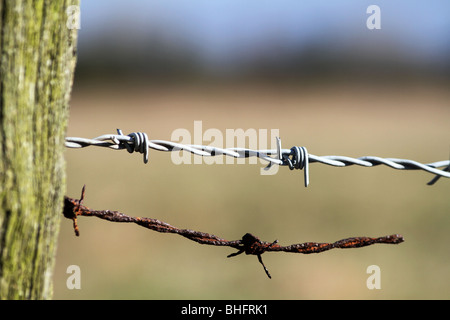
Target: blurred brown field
column 121, row 261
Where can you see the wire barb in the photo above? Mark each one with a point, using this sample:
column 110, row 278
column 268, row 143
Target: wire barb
column 294, row 158
column 138, row 143
column 299, row 160
column 249, row 243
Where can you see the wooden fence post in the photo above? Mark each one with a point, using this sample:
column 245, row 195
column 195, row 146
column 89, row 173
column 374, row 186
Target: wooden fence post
column 37, row 62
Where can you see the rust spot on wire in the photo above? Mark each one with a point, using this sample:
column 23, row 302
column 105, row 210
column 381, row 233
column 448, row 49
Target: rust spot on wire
column 249, row 244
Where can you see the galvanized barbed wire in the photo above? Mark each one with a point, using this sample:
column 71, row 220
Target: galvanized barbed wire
column 294, row 158
column 249, row 244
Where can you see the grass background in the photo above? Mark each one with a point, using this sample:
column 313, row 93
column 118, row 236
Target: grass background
column 121, row 261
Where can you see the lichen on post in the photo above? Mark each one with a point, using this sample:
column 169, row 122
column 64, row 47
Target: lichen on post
column 37, row 62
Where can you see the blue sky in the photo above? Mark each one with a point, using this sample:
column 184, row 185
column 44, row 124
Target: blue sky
column 221, row 28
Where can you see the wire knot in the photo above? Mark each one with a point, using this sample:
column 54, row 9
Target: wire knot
column 72, row 209
column 298, row 159
column 253, row 245
column 139, row 142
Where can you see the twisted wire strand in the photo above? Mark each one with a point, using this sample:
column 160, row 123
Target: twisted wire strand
column 295, row 158
column 250, row 244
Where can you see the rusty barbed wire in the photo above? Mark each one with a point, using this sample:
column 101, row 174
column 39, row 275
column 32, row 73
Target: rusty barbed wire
column 294, row 158
column 249, row 244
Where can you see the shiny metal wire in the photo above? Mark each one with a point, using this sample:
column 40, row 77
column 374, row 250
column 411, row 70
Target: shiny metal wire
column 294, row 158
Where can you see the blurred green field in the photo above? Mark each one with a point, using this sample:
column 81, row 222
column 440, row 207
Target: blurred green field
column 122, row 261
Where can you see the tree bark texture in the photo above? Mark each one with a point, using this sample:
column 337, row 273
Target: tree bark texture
column 37, row 62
